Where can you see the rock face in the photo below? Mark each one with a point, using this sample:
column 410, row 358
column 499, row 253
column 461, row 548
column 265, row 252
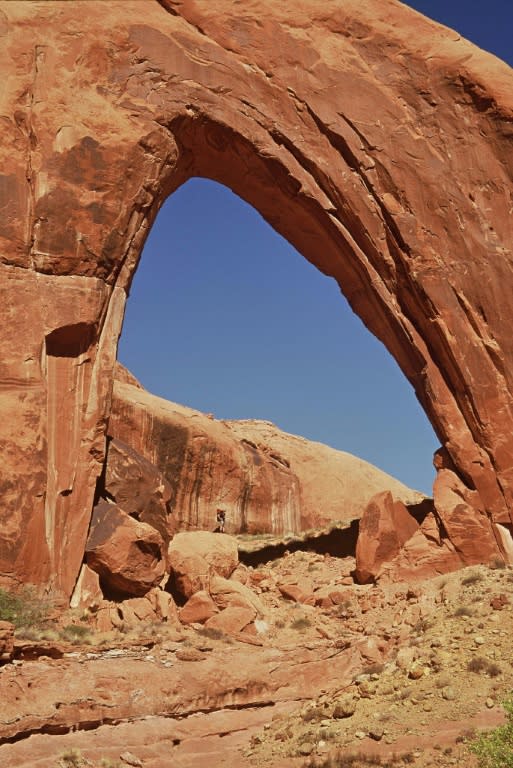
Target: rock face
column 376, row 141
column 139, row 488
column 266, row 480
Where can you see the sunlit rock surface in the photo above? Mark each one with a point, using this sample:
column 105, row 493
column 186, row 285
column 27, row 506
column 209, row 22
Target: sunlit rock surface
column 266, row 480
column 378, row 142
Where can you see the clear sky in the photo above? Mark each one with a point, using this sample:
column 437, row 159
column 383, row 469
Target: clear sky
column 226, row 317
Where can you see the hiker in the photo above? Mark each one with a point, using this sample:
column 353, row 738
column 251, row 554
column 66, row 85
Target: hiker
column 221, row 519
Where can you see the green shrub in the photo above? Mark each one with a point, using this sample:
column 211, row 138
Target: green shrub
column 472, row 578
column 71, row 758
column 495, row 748
column 301, row 623
column 75, row 633
column 24, row 609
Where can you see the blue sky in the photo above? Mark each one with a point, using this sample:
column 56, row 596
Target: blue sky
column 226, row 317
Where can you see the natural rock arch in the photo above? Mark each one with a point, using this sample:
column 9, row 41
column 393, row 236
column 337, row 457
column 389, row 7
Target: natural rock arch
column 376, row 141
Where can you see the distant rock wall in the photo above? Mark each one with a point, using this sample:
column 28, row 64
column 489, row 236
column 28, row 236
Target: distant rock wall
column 379, row 143
column 266, row 480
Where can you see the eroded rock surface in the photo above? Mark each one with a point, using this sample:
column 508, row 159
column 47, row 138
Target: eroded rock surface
column 266, row 480
column 138, row 487
column 376, row 141
column 415, row 667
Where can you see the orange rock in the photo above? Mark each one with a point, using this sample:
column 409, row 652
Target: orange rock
column 241, row 574
column 6, row 640
column 135, row 610
column 199, row 608
column 87, row 592
column 195, row 556
column 231, row 594
column 163, row 605
column 138, row 487
column 127, row 554
column 385, row 526
column 498, row 602
column 339, row 597
column 297, row 594
column 231, row 620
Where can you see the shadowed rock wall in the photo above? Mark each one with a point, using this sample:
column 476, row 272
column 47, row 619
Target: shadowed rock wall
column 376, row 141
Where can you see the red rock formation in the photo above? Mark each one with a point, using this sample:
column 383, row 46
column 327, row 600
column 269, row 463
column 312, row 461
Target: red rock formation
column 127, row 554
column 194, row 558
column 138, row 487
column 199, row 608
column 6, row 640
column 385, row 526
column 266, row 480
column 376, row 141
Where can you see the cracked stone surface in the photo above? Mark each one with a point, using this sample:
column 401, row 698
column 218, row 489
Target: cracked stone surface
column 376, row 141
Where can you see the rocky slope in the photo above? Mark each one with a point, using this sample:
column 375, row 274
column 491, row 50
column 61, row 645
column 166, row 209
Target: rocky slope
column 329, row 666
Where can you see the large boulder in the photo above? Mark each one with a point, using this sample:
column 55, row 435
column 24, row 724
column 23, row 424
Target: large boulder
column 195, row 556
column 198, row 608
column 127, row 554
column 385, row 526
column 231, row 620
column 230, row 593
column 139, row 487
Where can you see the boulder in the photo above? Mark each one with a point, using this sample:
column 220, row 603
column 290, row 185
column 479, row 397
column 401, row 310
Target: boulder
column 127, row 554
column 163, row 605
column 6, row 640
column 138, row 487
column 198, row 608
column 87, row 592
column 231, row 620
column 137, row 610
column 196, row 555
column 464, row 519
column 228, row 594
column 107, row 617
column 297, row 593
column 385, row 526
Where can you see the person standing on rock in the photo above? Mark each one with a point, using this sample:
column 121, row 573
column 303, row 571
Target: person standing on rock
column 221, row 520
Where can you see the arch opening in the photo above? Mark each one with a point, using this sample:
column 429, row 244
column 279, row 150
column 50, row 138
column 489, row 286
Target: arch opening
column 255, row 331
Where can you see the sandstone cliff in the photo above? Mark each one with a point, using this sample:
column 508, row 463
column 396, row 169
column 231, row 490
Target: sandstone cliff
column 267, row 480
column 378, row 142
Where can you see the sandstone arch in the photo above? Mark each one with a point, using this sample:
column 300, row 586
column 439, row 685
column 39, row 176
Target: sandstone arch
column 377, row 142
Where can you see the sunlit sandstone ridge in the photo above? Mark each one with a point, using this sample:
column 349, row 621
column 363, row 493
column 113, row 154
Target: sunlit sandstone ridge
column 377, row 142
column 267, row 481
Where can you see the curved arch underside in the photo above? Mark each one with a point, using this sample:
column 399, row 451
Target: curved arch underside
column 377, row 142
